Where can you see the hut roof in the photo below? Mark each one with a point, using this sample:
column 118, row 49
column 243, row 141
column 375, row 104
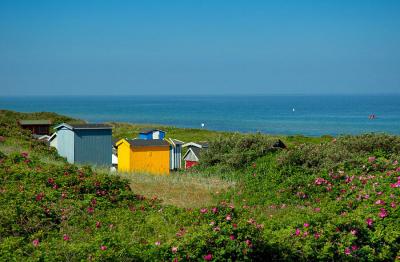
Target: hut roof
column 194, row 151
column 84, row 126
column 149, row 130
column 144, row 142
column 54, row 135
column 34, row 122
column 198, row 145
column 176, row 141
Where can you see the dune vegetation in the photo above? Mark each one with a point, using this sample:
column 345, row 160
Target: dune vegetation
column 317, row 199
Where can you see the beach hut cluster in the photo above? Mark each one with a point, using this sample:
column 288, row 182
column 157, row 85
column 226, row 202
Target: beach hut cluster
column 150, row 152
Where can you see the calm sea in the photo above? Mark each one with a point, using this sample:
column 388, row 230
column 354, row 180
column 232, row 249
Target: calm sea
column 307, row 115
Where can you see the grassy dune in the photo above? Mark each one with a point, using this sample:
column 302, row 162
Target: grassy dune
column 319, row 199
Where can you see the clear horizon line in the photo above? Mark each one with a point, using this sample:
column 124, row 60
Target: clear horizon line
column 204, row 95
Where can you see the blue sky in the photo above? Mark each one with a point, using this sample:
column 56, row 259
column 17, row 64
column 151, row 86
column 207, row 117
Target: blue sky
column 199, row 47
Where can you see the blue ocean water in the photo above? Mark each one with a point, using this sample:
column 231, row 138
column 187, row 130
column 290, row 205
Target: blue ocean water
column 312, row 115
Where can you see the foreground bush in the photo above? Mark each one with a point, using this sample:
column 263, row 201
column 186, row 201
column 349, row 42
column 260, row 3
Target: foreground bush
column 64, row 212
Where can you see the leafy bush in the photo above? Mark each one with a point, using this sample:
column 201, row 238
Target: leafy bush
column 236, row 151
column 58, row 212
column 345, row 150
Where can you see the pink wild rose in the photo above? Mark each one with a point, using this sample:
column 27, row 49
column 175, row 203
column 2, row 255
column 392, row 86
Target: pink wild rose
column 369, row 221
column 103, row 248
column 208, row 257
column 66, row 237
column 203, row 210
column 383, row 213
column 174, row 249
column 35, row 242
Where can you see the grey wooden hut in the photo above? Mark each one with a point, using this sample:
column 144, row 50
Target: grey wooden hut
column 85, row 143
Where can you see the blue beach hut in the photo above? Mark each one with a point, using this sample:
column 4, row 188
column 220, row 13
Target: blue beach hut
column 149, row 134
column 85, row 143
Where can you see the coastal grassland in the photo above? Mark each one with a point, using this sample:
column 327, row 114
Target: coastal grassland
column 52, row 210
column 177, row 189
column 318, row 199
column 128, row 130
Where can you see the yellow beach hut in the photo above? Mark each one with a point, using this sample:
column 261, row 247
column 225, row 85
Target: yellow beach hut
column 143, row 156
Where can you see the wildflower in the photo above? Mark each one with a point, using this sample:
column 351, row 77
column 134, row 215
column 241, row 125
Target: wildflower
column 379, row 193
column 380, row 202
column 305, row 233
column 393, row 204
column 317, row 209
column 212, row 223
column 248, row 243
column 251, row 221
column 228, row 218
column 39, row 196
column 320, row 181
column 50, row 180
column 214, row 210
column 203, row 210
column 208, row 257
column 35, row 242
column 90, row 210
column 297, row 232
column 103, row 248
column 93, row 201
column 232, row 237
column 369, row 221
column 217, row 229
column 354, row 248
column 347, row 251
column 371, row 159
column 366, row 196
column 66, row 237
column 157, row 243
column 234, row 225
column 174, row 249
column 353, row 232
column 383, row 213
column 63, row 195
column 24, row 154
column 316, row 235
column 111, row 226
column 98, row 224
column 306, row 225
column 55, row 186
